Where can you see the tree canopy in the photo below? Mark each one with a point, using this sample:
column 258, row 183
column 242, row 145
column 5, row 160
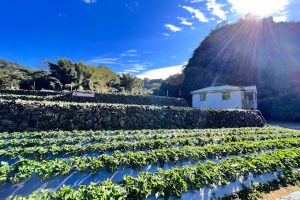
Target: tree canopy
column 68, row 75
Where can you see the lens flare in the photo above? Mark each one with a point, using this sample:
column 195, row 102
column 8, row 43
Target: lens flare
column 263, row 8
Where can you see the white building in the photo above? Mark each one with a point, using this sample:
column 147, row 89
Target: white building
column 225, row 97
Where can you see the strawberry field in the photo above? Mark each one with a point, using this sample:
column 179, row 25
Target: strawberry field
column 144, row 164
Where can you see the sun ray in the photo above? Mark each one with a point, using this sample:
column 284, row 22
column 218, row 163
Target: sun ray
column 258, row 7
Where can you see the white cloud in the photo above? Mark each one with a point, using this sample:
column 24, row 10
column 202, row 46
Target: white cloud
column 61, row 15
column 131, row 5
column 129, row 55
column 139, row 67
column 196, row 13
column 135, row 69
column 132, row 51
column 166, row 34
column 161, row 73
column 133, row 61
column 173, row 28
column 196, row 1
column 262, row 8
column 97, row 61
column 89, row 1
column 131, row 71
column 136, row 66
column 216, row 9
column 184, row 21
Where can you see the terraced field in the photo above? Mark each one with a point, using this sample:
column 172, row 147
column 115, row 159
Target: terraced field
column 190, row 164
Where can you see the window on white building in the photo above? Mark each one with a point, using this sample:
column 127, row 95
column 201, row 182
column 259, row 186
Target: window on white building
column 249, row 96
column 202, row 96
column 225, row 96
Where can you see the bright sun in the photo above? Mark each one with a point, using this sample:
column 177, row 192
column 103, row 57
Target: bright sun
column 262, row 8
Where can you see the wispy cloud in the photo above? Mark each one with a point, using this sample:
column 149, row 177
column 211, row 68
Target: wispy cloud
column 184, row 21
column 161, row 73
column 135, row 68
column 223, row 9
column 216, row 9
column 133, row 61
column 173, row 28
column 130, row 53
column 196, row 13
column 100, row 60
column 61, row 15
column 89, row 1
column 126, row 62
column 196, row 1
column 131, row 5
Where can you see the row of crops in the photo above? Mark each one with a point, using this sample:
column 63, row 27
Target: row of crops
column 143, row 164
column 99, row 98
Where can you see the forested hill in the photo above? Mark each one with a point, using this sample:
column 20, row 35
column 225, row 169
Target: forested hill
column 251, row 51
column 12, row 75
column 68, row 75
column 11, row 65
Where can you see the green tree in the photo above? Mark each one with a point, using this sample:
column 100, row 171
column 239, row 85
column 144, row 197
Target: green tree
column 83, row 76
column 8, row 81
column 64, row 71
column 103, row 79
column 131, row 84
column 171, row 86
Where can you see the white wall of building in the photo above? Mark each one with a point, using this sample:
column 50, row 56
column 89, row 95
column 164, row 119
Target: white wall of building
column 214, row 100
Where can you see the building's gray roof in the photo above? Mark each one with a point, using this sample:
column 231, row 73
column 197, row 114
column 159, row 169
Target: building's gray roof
column 224, row 88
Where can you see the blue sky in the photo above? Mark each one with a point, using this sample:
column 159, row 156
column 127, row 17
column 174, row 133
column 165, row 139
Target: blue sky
column 149, row 38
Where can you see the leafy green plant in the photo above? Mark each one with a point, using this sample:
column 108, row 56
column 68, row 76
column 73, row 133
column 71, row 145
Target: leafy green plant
column 175, row 182
column 50, row 168
column 4, row 170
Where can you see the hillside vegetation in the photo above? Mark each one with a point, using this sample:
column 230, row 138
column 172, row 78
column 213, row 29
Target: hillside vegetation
column 249, row 52
column 14, row 76
column 67, row 75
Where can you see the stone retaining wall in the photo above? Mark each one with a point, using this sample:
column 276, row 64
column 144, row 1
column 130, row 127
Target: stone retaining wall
column 30, row 115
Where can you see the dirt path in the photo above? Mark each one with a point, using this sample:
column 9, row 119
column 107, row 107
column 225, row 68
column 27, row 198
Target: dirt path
column 289, row 125
column 291, row 196
column 288, row 193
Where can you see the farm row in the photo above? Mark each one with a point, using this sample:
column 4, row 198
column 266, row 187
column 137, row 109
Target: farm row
column 177, row 181
column 45, row 139
column 42, row 152
column 142, row 133
column 190, row 160
column 99, row 98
